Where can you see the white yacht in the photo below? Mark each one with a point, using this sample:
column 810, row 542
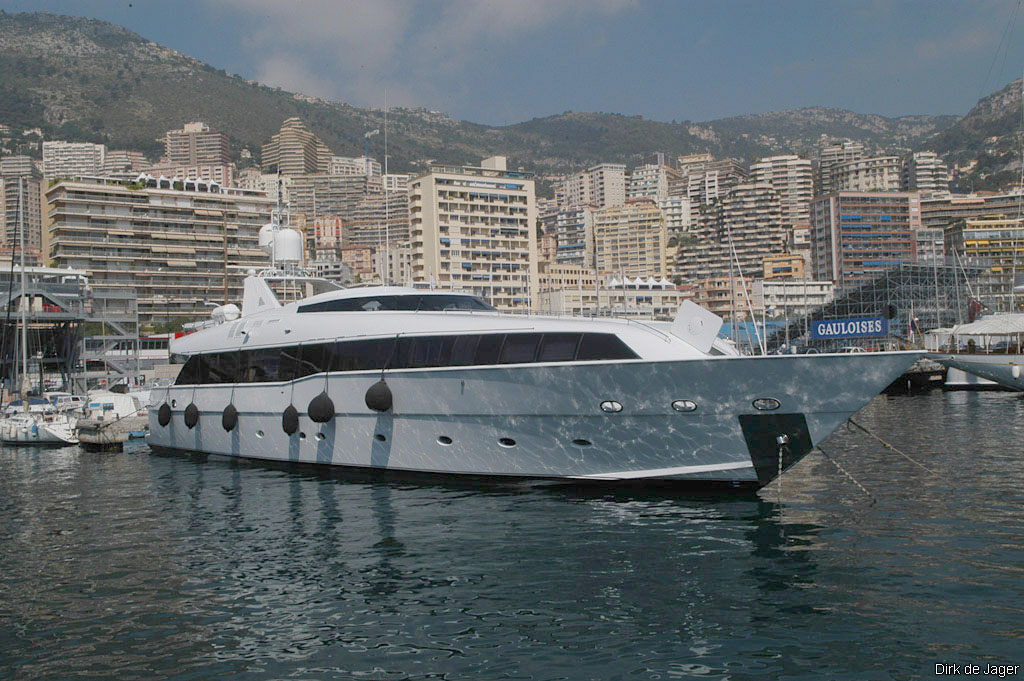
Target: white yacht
column 988, row 350
column 408, row 380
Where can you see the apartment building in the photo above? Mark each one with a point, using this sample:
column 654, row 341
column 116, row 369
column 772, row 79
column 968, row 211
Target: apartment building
column 176, row 248
column 631, row 240
column 877, row 174
column 601, row 186
column 575, row 290
column 790, row 298
column 942, row 212
column 572, row 229
column 856, row 236
column 379, row 219
column 736, row 235
column 678, row 215
column 792, row 178
column 652, row 181
column 832, row 155
column 120, row 162
column 196, row 145
column 474, row 229
column 924, row 172
column 72, row 159
column 21, row 206
column 295, row 150
column 996, row 245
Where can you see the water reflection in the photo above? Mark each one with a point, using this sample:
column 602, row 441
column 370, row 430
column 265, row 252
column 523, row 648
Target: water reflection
column 194, row 567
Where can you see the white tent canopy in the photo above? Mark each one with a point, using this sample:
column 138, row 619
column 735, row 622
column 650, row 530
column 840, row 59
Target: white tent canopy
column 1009, row 324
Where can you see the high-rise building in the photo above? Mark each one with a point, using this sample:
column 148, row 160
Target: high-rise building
column 362, row 165
column 601, row 186
column 678, row 216
column 652, row 181
column 173, row 247
column 379, row 219
column 295, row 150
column 996, row 245
column 830, row 156
column 196, row 145
column 925, row 172
column 942, row 212
column 72, row 159
column 856, row 236
column 707, row 180
column 877, row 174
column 119, row 162
column 735, row 235
column 573, row 232
column 630, row 240
column 21, row 196
column 475, row 229
column 397, row 182
column 792, row 178
column 321, row 194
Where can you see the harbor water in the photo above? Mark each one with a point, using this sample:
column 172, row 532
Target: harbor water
column 143, row 566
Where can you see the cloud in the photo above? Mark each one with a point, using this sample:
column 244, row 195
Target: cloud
column 351, row 49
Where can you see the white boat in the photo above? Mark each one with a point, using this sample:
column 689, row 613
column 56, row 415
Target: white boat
column 986, row 353
column 42, row 425
column 38, row 428
column 111, row 419
column 416, row 381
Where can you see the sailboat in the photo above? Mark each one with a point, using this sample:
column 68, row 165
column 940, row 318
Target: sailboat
column 33, row 427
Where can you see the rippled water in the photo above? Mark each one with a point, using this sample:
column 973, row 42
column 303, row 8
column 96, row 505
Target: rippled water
column 138, row 566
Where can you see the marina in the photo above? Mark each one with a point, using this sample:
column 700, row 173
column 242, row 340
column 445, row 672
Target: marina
column 188, row 566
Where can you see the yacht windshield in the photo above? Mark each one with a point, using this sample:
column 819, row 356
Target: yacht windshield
column 436, row 302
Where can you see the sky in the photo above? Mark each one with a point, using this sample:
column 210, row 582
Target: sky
column 501, row 62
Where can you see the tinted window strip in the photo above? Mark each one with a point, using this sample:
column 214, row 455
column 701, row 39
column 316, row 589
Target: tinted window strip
column 271, row 365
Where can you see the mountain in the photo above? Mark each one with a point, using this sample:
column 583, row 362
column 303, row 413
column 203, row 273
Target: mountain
column 88, row 80
column 987, row 141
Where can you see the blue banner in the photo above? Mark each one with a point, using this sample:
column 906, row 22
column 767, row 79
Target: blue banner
column 854, row 327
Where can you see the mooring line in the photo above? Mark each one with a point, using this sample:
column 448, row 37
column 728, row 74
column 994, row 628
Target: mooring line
column 847, row 474
column 851, row 422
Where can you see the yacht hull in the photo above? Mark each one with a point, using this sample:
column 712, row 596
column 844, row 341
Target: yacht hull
column 546, row 421
column 30, row 431
column 998, row 368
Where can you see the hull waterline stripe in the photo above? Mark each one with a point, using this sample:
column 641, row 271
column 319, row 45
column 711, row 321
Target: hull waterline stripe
column 659, row 472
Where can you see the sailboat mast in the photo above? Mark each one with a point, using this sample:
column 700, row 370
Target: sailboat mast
column 24, row 307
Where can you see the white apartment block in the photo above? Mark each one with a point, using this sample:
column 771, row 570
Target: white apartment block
column 474, row 229
column 652, row 181
column 631, row 240
column 397, row 182
column 677, row 212
column 925, row 172
column 832, row 155
column 737, row 233
column 877, row 174
column 600, row 186
column 574, row 290
column 792, row 178
column 172, row 247
column 72, row 159
column 791, row 298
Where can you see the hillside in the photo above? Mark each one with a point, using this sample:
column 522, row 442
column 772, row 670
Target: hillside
column 88, row 80
column 987, row 140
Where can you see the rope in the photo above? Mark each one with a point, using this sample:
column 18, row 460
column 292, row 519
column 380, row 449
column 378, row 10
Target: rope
column 847, row 474
column 851, row 422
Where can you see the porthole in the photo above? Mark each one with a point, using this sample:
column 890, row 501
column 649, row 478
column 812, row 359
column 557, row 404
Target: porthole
column 611, row 407
column 444, row 440
column 766, row 404
column 302, row 436
column 174, row 403
column 580, row 442
column 507, row 442
column 319, row 437
column 379, row 437
column 259, row 433
column 684, row 405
